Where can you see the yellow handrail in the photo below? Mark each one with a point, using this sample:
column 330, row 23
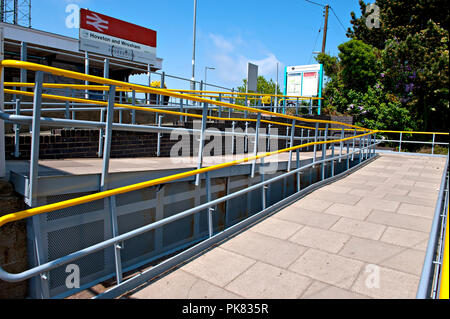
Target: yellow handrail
column 101, row 195
column 163, row 111
column 444, row 289
column 89, row 198
column 413, row 132
column 193, row 92
column 95, row 79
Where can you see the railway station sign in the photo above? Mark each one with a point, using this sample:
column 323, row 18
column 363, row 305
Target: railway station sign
column 116, row 38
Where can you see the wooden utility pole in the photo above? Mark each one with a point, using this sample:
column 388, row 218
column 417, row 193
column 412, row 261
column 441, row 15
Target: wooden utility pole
column 325, row 29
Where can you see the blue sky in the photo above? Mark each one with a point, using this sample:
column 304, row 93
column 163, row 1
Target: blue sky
column 230, row 33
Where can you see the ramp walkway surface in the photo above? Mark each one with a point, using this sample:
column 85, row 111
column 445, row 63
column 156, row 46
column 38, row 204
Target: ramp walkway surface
column 364, row 236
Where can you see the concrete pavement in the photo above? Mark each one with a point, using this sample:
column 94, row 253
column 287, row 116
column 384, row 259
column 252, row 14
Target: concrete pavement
column 363, row 236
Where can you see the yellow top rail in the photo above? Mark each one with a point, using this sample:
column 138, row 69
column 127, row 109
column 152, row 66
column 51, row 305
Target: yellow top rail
column 153, row 110
column 193, row 92
column 121, row 190
column 413, row 132
column 91, row 78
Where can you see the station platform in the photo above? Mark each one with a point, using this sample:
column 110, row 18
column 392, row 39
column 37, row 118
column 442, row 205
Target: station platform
column 363, row 236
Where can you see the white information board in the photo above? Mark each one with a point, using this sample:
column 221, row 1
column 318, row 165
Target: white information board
column 302, row 80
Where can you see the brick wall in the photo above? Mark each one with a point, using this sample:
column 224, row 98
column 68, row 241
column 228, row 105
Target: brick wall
column 84, row 143
column 13, row 243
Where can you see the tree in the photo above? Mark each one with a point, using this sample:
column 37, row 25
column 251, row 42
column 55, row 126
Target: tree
column 398, row 18
column 416, row 71
column 262, row 85
column 359, row 67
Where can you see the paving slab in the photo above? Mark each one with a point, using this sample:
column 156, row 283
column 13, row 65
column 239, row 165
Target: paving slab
column 364, row 236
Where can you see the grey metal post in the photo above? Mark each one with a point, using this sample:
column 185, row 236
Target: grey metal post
column 17, row 132
column 311, row 107
column 35, row 131
column 360, row 149
column 208, row 199
column 181, row 110
column 296, row 107
column 354, row 144
column 23, row 57
column 115, row 233
column 348, row 151
column 67, row 105
column 400, row 145
column 246, row 138
column 432, row 145
column 298, row 163
column 291, row 144
column 220, row 107
column 316, row 131
column 149, row 75
column 120, row 110
column 324, row 151
column 341, row 145
column 86, row 71
column 108, row 138
column 287, row 135
column 255, row 148
column 202, row 139
column 106, row 69
column 233, row 124
column 263, row 189
column 268, row 138
column 158, row 146
column 133, row 103
column 332, row 162
column 101, row 134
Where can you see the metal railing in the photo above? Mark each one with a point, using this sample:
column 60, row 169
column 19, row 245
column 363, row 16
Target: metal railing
column 364, row 137
column 359, row 142
column 434, row 279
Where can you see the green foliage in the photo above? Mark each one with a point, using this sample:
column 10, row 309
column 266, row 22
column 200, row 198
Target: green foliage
column 397, row 73
column 262, row 85
column 398, row 19
column 358, row 65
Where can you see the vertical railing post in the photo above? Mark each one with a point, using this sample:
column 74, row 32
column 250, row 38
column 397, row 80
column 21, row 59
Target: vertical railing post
column 86, row 71
column 332, row 161
column 354, row 144
column 133, row 103
column 208, row 199
column 316, row 132
column 246, row 138
column 17, row 132
column 341, row 145
column 32, row 198
column 255, row 148
column 360, row 148
column 181, row 111
column 220, row 106
column 158, row 145
column 263, row 189
column 35, row 138
column 233, row 127
column 101, row 134
column 67, row 105
column 115, row 232
column 400, row 145
column 110, row 202
column 432, row 145
column 108, row 138
column 324, row 151
column 291, row 144
column 298, row 163
column 202, row 140
column 287, row 137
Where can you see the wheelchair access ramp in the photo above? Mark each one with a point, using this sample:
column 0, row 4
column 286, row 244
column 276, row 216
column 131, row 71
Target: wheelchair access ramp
column 364, row 236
